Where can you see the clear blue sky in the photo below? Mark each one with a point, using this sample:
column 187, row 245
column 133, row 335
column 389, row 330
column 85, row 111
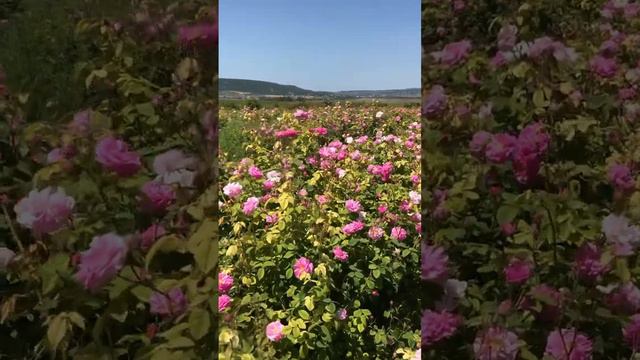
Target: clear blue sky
column 325, row 45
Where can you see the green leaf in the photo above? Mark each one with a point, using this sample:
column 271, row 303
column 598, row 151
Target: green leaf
column 58, row 326
column 202, row 245
column 506, row 213
column 622, row 270
column 303, row 314
column 199, row 323
column 51, row 270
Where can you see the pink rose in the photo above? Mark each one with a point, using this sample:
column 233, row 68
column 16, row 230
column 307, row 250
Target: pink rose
column 621, row 178
column 603, row 67
column 157, row 197
column 274, row 331
column 398, row 233
column 499, row 149
column 114, row 155
column 224, row 301
column 375, row 233
column 44, row 211
column 340, row 254
column 255, row 172
column 203, row 35
column 287, row 133
column 518, row 271
column 302, row 267
column 250, row 205
column 435, row 103
column 479, row 142
column 232, row 190
column 102, row 262
column 453, row 53
column 301, row 114
column 353, row 206
column 173, row 303
column 225, row 282
column 80, row 124
column 174, row 167
column 149, row 236
column 353, row 227
column 507, row 37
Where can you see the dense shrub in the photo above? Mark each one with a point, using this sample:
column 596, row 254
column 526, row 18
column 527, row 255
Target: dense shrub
column 319, row 242
column 106, row 235
column 531, row 163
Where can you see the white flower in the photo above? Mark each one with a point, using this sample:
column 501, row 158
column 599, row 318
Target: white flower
column 621, row 234
column 274, row 176
column 415, row 197
column 379, row 114
column 349, row 140
column 418, row 355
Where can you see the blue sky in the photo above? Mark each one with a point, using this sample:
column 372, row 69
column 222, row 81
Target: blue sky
column 325, row 45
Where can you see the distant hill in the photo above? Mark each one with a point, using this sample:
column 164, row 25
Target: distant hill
column 242, row 88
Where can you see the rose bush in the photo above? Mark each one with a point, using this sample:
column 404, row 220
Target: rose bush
column 320, row 234
column 107, row 233
column 531, row 160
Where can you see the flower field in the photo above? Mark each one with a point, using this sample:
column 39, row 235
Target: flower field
column 531, row 146
column 320, row 233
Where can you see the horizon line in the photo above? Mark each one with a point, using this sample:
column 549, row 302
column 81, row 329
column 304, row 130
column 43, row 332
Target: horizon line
column 279, row 83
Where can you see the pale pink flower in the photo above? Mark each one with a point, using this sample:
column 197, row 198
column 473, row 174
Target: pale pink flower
column 232, row 190
column 114, row 155
column 453, row 53
column 250, row 205
column 157, row 196
column 603, row 67
column 375, row 233
column 225, row 282
column 496, row 343
column 301, row 114
column 174, row 167
column 302, row 267
column 621, row 234
column 437, row 326
column 436, row 102
column 274, row 331
column 568, row 341
column 398, row 233
column 340, row 254
column 55, row 155
column 342, row 314
column 80, row 124
column 415, row 197
column 174, row 303
column 625, row 299
column 322, row 199
column 224, row 301
column 434, row 264
column 507, row 37
column 44, row 211
column 102, row 261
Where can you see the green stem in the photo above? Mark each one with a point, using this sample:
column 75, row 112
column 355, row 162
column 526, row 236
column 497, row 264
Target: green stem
column 14, row 234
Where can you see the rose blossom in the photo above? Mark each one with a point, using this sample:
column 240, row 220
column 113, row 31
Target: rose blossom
column 232, row 190
column 174, row 167
column 157, row 196
column 255, row 172
column 301, row 114
column 340, row 254
column 114, row 155
column 102, row 261
column 588, row 264
column 518, row 271
column 621, row 234
column 621, row 178
column 250, row 205
column 437, row 326
column 577, row 344
column 499, row 149
column 353, row 227
column 495, row 343
column 224, row 301
column 302, row 267
column 174, row 303
column 375, row 233
column 225, row 282
column 274, row 331
column 453, row 53
column 479, row 142
column 631, row 332
column 603, row 67
column 44, row 211
column 398, row 233
column 436, row 102
column 434, row 263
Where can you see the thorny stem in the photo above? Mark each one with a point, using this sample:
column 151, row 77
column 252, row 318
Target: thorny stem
column 11, row 228
column 555, row 235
